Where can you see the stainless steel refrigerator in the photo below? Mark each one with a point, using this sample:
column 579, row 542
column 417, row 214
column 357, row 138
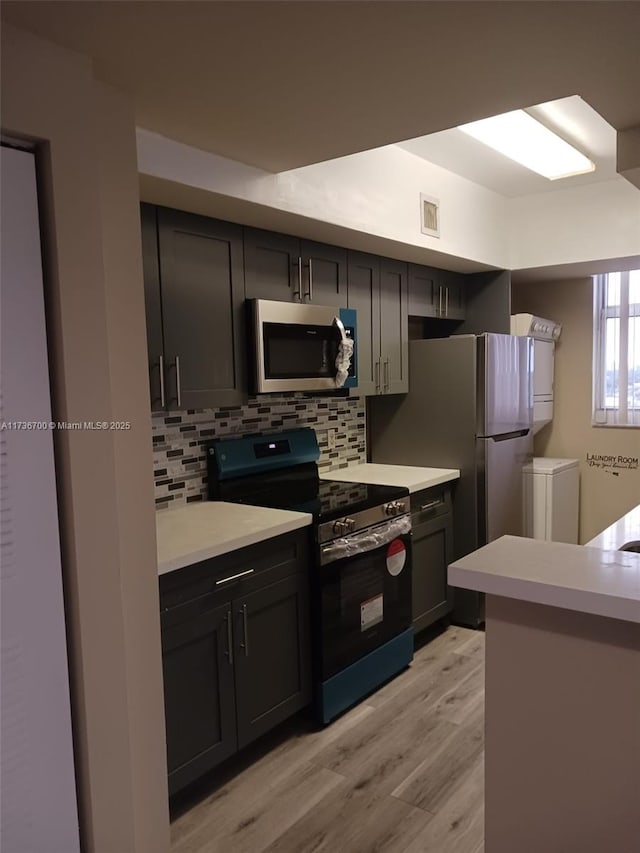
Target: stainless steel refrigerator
column 469, row 406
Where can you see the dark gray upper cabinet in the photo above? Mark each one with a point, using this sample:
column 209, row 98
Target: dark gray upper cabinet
column 424, row 290
column 287, row 269
column 202, row 286
column 194, row 295
column 378, row 292
column 364, row 296
column 454, row 295
column 436, row 293
column 153, row 305
column 394, row 333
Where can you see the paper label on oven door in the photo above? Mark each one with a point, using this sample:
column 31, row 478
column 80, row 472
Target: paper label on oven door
column 370, row 612
column 396, row 557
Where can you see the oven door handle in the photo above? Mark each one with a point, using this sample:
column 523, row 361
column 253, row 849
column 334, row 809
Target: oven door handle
column 367, row 540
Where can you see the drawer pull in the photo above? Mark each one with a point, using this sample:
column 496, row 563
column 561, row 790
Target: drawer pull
column 235, row 577
column 245, row 631
column 229, row 651
column 430, row 505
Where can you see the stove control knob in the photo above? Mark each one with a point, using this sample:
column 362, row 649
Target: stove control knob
column 394, row 508
column 341, row 527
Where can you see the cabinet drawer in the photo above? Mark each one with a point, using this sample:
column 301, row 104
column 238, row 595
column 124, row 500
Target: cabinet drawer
column 235, row 573
column 430, row 503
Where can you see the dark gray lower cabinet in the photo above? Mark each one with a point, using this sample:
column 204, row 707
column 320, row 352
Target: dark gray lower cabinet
column 272, row 670
column 236, row 651
column 432, row 549
column 199, row 694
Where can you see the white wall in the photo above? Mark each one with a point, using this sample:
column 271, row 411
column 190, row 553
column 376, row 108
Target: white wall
column 377, row 193
column 604, row 496
column 584, row 223
column 90, row 223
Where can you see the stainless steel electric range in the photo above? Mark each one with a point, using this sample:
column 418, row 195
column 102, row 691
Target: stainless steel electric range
column 361, row 571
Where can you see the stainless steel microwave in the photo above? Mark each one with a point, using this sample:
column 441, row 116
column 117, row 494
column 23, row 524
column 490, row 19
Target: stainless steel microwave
column 302, row 347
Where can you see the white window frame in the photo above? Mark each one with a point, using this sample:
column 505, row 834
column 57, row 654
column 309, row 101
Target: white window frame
column 619, row 415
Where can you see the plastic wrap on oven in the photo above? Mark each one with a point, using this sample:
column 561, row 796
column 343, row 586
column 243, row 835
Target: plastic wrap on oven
column 366, row 540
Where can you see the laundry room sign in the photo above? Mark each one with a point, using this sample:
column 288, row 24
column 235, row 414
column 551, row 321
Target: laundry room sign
column 614, row 464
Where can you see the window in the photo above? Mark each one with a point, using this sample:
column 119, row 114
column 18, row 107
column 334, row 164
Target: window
column 616, row 349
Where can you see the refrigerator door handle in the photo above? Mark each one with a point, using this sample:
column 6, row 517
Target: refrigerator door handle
column 507, row 436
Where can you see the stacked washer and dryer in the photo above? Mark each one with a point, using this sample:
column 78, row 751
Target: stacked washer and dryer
column 550, row 486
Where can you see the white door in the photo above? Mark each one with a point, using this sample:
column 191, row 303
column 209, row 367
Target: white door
column 37, row 785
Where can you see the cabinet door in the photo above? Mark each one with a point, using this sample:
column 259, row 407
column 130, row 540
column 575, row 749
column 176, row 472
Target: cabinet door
column 424, row 291
column 153, row 309
column 272, row 655
column 454, row 295
column 201, row 272
column 364, row 295
column 199, row 698
column 273, row 266
column 394, row 332
column 432, row 551
column 324, row 274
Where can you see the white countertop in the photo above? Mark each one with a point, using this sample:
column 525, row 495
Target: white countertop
column 408, row 476
column 199, row 531
column 625, row 529
column 589, row 580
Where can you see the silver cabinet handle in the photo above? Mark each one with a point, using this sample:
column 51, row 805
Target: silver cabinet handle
column 178, row 389
column 245, row 631
column 161, row 368
column 229, row 652
column 440, row 299
column 377, row 374
column 298, row 292
column 386, row 374
column 446, row 301
column 235, row 577
column 310, row 292
column 429, row 505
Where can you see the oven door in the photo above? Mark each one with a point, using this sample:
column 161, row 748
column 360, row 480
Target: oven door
column 364, row 597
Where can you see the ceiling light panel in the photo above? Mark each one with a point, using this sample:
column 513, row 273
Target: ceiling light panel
column 522, row 138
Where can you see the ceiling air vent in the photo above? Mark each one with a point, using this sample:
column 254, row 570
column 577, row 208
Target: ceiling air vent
column 429, row 215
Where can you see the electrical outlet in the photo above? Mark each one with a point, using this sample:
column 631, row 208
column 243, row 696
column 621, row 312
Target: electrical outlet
column 331, row 438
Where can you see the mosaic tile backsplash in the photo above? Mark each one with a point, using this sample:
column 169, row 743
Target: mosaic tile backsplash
column 179, row 439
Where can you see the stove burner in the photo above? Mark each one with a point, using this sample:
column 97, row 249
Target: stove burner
column 242, row 471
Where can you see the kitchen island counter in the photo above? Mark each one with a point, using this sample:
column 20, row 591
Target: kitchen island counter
column 587, row 580
column 625, row 529
column 562, row 694
column 410, row 477
column 197, row 532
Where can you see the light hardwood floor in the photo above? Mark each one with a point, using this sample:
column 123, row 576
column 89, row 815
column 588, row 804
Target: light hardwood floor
column 402, row 772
